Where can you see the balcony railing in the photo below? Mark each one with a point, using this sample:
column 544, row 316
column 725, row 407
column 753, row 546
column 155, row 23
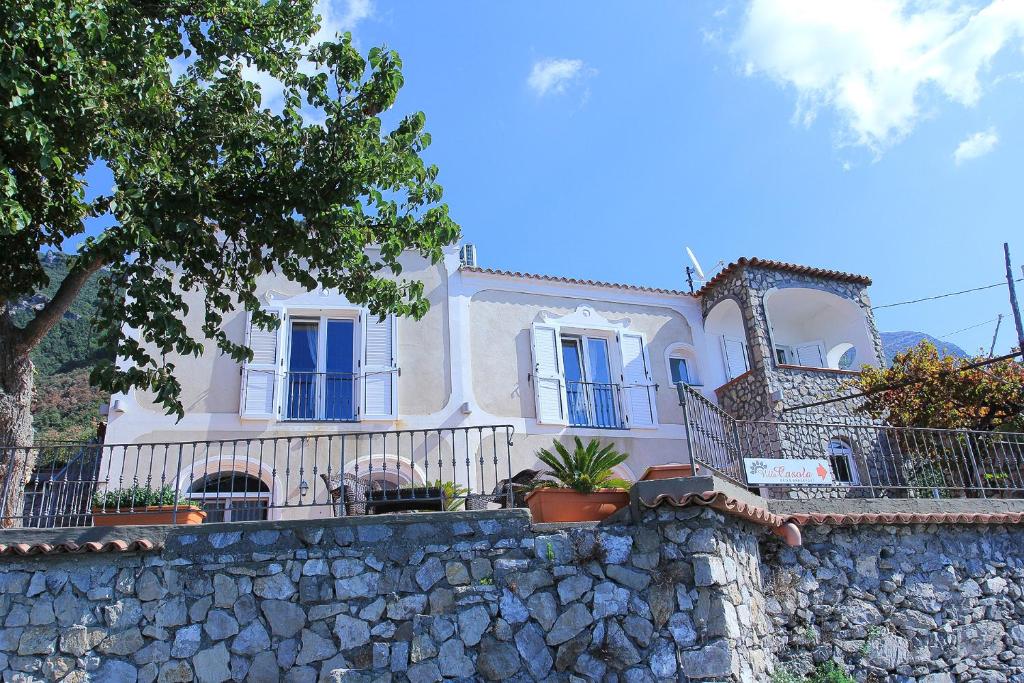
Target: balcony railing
column 593, row 404
column 866, row 460
column 320, row 396
column 267, row 478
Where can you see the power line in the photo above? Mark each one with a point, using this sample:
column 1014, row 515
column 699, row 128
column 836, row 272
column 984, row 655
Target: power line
column 950, row 334
column 902, row 385
column 943, row 296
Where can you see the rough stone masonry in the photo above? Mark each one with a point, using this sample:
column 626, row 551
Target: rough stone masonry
column 686, row 594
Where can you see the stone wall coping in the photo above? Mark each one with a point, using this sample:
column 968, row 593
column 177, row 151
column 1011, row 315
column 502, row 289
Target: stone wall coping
column 826, row 371
column 735, row 380
column 707, row 490
column 151, row 537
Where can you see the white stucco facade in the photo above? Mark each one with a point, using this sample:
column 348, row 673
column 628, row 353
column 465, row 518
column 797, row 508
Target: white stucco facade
column 553, row 358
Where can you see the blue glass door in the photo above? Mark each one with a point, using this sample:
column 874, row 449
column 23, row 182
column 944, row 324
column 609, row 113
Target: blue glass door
column 339, row 378
column 575, row 389
column 301, row 397
column 601, row 390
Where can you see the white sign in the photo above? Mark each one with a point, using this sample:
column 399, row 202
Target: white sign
column 810, row 471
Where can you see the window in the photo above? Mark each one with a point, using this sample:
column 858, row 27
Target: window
column 807, row 354
column 231, row 497
column 840, row 455
column 320, row 379
column 846, row 360
column 326, row 361
column 589, row 371
column 734, row 352
column 784, row 355
column 591, row 396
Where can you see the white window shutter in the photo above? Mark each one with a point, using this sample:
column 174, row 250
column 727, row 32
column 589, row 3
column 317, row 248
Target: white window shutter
column 380, row 368
column 548, row 380
column 637, row 384
column 260, row 375
column 734, row 351
column 810, row 355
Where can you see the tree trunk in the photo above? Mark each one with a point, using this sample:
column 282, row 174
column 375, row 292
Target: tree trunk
column 16, row 461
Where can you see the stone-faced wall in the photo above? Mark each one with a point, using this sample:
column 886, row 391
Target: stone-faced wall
column 747, row 285
column 932, row 604
column 460, row 596
column 687, row 594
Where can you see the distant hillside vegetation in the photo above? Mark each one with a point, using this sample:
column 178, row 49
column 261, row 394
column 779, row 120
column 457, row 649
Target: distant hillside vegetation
column 65, row 407
column 897, row 342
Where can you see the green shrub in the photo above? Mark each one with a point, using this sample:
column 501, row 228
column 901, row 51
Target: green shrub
column 830, row 672
column 826, row 672
column 585, row 469
column 137, row 497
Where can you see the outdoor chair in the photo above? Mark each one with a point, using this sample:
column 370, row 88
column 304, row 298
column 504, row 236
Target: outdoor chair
column 520, row 484
column 352, row 490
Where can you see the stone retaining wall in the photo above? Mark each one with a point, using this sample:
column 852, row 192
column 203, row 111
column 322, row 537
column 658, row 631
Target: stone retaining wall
column 933, row 604
column 413, row 597
column 687, row 594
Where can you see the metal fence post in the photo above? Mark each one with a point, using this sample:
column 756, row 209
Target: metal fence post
column 8, row 476
column 681, row 390
column 974, row 463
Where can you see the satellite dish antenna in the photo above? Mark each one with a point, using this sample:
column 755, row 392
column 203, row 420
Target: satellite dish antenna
column 696, row 264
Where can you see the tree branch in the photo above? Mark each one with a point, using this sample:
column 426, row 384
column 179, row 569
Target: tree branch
column 29, row 336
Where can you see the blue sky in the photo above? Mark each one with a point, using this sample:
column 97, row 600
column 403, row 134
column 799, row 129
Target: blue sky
column 598, row 140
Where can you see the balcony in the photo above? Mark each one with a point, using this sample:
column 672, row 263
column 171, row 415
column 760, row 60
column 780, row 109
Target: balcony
column 594, row 405
column 320, row 396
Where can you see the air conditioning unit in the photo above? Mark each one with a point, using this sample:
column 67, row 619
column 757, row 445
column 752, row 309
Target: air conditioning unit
column 467, row 255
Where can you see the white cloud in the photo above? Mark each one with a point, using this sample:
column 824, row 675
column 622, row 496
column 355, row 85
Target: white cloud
column 336, row 17
column 873, row 61
column 555, row 75
column 977, row 145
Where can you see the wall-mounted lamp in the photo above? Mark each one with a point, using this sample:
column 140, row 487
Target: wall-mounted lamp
column 119, row 406
column 303, row 488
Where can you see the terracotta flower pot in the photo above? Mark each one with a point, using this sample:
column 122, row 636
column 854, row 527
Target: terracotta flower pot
column 672, row 471
column 566, row 505
column 154, row 514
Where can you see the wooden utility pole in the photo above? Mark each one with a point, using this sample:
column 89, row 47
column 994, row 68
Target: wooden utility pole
column 992, row 349
column 1013, row 298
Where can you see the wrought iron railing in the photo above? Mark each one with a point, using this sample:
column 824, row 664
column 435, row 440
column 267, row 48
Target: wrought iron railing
column 862, row 459
column 593, row 404
column 266, row 478
column 711, row 435
column 320, row 396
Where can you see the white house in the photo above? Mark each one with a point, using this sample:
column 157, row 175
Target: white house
column 549, row 357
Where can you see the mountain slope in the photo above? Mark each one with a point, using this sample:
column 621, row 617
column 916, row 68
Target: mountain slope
column 897, row 342
column 65, row 406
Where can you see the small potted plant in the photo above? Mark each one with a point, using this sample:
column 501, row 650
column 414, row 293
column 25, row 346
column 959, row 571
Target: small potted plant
column 139, row 505
column 581, row 486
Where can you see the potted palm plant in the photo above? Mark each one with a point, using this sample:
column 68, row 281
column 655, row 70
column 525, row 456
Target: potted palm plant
column 138, row 505
column 580, row 486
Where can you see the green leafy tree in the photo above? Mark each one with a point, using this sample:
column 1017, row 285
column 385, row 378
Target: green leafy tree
column 211, row 188
column 584, row 469
column 924, row 389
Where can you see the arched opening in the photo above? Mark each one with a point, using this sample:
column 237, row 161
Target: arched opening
column 682, row 365
column 812, row 328
column 724, row 325
column 231, row 496
column 840, row 455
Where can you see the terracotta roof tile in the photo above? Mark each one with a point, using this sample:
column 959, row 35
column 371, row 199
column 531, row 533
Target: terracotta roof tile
column 723, row 503
column 572, row 280
column 834, row 519
column 70, row 547
column 731, row 506
column 788, row 267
